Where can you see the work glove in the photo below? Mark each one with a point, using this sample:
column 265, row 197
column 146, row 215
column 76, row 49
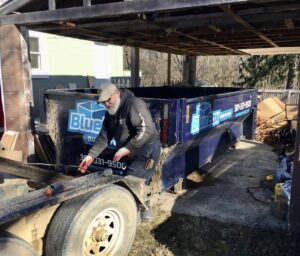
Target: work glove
column 86, row 162
column 120, row 153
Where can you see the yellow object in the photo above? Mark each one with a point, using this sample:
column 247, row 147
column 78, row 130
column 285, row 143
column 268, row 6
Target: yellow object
column 277, row 190
column 269, row 177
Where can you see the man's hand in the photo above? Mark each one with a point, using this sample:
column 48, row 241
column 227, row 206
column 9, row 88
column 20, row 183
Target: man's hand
column 86, row 162
column 120, row 153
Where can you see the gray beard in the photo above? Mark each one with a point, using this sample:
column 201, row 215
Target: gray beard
column 115, row 108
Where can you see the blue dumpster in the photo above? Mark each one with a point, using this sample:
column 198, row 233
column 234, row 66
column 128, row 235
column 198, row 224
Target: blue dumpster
column 197, row 123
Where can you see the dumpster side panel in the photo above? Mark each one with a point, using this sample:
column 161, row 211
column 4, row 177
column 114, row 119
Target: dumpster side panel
column 209, row 125
column 205, row 114
column 194, row 154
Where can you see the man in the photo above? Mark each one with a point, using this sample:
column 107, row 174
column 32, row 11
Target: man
column 129, row 122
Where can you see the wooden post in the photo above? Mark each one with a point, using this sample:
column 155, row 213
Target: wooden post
column 289, row 96
column 189, row 70
column 86, row 2
column 169, row 70
column 51, row 4
column 192, row 71
column 135, row 67
column 294, row 209
column 17, row 86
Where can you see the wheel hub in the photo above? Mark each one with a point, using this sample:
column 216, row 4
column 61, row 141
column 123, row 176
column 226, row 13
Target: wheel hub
column 103, row 233
column 100, row 233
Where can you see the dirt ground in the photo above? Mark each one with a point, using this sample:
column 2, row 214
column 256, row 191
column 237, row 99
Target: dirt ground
column 217, row 216
column 184, row 235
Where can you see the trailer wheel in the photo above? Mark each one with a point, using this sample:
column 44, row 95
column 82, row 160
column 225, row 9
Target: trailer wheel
column 13, row 245
column 101, row 222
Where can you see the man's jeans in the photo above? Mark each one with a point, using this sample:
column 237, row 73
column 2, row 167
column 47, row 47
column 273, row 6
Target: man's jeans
column 136, row 167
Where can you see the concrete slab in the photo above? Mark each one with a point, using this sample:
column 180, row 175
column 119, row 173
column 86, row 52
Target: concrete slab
column 223, row 194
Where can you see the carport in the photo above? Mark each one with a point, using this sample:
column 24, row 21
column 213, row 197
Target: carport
column 187, row 27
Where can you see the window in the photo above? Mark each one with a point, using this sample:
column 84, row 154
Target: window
column 35, row 55
column 38, row 54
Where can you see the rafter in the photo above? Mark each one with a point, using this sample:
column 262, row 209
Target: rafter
column 246, row 25
column 209, row 42
column 108, row 37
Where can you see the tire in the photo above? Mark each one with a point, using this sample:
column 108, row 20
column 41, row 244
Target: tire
column 101, row 222
column 13, row 245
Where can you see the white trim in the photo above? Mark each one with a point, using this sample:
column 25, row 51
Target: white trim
column 2, row 96
column 40, row 76
column 272, row 51
column 44, row 70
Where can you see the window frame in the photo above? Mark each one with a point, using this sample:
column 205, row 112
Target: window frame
column 42, row 71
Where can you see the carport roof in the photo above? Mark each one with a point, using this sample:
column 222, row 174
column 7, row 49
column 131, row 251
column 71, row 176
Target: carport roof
column 191, row 27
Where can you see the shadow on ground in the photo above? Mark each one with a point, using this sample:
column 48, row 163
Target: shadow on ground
column 187, row 235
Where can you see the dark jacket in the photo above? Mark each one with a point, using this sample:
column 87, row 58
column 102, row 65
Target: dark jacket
column 132, row 126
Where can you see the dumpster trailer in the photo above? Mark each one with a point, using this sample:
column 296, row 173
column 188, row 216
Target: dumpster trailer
column 64, row 213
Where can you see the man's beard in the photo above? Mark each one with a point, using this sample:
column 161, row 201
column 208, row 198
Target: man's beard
column 115, row 108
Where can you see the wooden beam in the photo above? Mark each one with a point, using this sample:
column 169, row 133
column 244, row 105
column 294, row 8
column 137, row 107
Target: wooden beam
column 30, row 172
column 109, row 10
column 246, row 25
column 289, row 23
column 209, row 42
column 12, row 6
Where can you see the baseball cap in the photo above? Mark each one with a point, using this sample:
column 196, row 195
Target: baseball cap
column 105, row 91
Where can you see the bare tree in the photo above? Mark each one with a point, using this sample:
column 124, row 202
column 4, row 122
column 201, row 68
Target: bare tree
column 220, row 70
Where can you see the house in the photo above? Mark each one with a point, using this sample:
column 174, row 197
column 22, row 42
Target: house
column 64, row 62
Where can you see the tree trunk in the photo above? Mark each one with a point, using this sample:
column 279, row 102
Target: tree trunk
column 291, row 73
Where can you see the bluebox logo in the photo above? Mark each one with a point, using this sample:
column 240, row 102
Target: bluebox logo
column 87, row 119
column 201, row 119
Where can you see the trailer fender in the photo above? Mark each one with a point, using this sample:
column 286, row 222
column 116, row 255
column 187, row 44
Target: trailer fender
column 136, row 186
